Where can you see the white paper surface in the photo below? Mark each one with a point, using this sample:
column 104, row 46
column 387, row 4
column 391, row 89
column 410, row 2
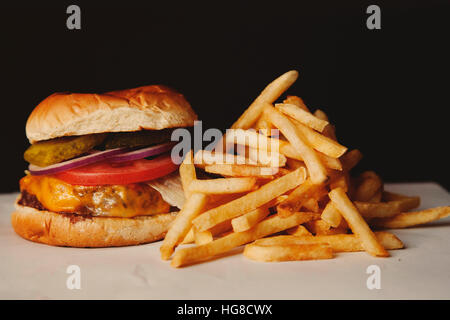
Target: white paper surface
column 421, row 271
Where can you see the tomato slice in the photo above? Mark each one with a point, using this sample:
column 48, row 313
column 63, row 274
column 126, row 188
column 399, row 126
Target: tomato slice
column 102, row 173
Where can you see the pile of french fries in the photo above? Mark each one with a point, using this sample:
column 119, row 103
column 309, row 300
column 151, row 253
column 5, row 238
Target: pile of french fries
column 287, row 196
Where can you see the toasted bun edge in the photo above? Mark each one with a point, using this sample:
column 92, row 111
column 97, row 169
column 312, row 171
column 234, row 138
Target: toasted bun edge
column 60, row 230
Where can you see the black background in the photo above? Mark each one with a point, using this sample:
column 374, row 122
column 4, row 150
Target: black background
column 386, row 90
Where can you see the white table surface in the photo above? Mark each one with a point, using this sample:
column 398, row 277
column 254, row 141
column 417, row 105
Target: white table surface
column 421, row 271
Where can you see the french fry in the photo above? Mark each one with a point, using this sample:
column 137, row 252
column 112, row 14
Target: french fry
column 321, row 115
column 258, row 141
column 299, row 231
column 269, row 226
column 330, row 162
column 310, row 204
column 296, row 101
column 386, row 209
column 339, row 180
column 263, row 125
column 248, row 220
column 318, row 226
column 281, row 172
column 180, row 227
column 357, row 223
column 223, row 185
column 286, row 240
column 187, row 173
column 221, row 228
column 266, row 158
column 280, row 199
column 376, row 198
column 410, row 219
column 202, row 237
column 316, row 169
column 302, row 116
column 350, row 159
column 271, row 93
column 241, row 170
column 203, row 158
column 368, row 187
column 215, row 231
column 293, row 164
column 298, row 252
column 216, row 200
column 321, row 227
column 320, row 142
column 297, row 198
column 331, row 215
column 339, row 242
column 329, row 131
column 250, row 201
column 290, row 152
column 253, row 139
column 189, row 238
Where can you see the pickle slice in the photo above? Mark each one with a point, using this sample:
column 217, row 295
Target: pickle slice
column 137, row 138
column 45, row 153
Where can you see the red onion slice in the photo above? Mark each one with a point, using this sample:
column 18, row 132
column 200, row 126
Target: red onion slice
column 142, row 153
column 75, row 163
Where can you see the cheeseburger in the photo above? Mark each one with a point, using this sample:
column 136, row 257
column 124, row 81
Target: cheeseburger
column 101, row 172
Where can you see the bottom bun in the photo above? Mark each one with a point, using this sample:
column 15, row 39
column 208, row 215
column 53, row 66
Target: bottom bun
column 77, row 231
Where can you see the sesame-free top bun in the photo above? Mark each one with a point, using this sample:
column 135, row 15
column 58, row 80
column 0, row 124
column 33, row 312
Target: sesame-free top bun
column 153, row 107
column 63, row 230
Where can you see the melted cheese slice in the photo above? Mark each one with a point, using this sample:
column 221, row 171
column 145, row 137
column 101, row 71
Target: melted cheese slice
column 112, row 200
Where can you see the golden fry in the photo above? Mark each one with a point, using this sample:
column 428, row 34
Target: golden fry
column 329, row 131
column 202, row 237
column 376, row 198
column 315, row 167
column 302, row 116
column 386, row 209
column 343, row 242
column 217, row 230
column 266, row 158
column 203, row 158
column 351, row 159
column 251, row 200
column 410, row 219
column 241, row 170
column 320, row 142
column 187, row 173
column 357, row 223
column 331, row 215
column 296, row 101
column 180, row 227
column 297, row 198
column 290, row 152
column 248, row 220
column 266, row 227
column 299, row 231
column 271, row 93
column 371, row 183
column 298, row 252
column 223, row 185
